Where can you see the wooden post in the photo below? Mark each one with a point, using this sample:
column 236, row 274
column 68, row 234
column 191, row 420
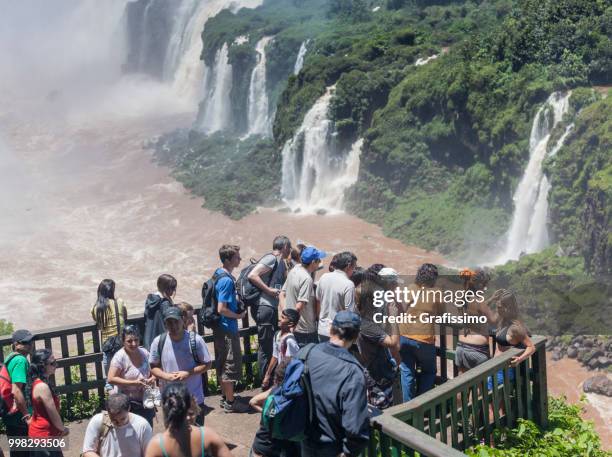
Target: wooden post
column 540, row 393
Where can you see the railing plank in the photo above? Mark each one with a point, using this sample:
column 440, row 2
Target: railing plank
column 540, row 392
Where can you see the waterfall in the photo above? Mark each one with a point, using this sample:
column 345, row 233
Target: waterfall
column 528, row 232
column 299, row 62
column 314, row 174
column 425, row 60
column 258, row 114
column 216, row 114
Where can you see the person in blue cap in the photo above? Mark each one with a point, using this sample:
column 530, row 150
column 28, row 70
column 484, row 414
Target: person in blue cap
column 299, row 294
column 339, row 391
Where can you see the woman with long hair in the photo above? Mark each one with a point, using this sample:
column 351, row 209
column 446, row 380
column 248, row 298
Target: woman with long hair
column 155, row 306
column 46, row 421
column 180, row 438
column 106, row 313
column 131, row 373
column 473, row 346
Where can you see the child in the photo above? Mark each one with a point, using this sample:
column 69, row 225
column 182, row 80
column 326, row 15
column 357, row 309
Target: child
column 187, row 313
column 285, row 344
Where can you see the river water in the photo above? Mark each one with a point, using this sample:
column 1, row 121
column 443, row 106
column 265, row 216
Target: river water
column 85, row 202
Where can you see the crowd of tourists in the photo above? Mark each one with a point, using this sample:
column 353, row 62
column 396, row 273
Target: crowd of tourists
column 317, row 338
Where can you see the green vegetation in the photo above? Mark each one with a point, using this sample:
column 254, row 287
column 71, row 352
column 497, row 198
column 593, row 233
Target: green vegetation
column 234, row 176
column 567, row 435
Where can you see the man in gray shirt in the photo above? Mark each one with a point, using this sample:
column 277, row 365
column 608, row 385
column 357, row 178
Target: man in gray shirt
column 299, row 295
column 269, row 276
column 336, row 292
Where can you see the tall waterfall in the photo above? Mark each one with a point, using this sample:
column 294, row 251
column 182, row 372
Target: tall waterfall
column 216, row 114
column 299, row 61
column 167, row 40
column 258, row 109
column 314, row 174
column 528, row 232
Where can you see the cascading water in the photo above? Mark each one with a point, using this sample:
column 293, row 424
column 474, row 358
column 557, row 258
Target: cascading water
column 258, row 110
column 299, row 61
column 315, row 175
column 216, row 113
column 528, row 232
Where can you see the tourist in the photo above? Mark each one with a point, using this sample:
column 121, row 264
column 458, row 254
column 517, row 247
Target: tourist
column 18, row 367
column 117, row 432
column 263, row 443
column 339, row 391
column 378, row 345
column 228, row 354
column 155, row 307
column 187, row 312
column 179, row 355
column 511, row 332
column 180, row 438
column 335, row 292
column 131, row 373
column 418, row 340
column 473, row 345
column 110, row 315
column 46, row 421
column 285, row 343
column 299, row 294
column 269, row 276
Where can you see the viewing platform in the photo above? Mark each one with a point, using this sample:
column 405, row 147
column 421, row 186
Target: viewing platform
column 445, row 421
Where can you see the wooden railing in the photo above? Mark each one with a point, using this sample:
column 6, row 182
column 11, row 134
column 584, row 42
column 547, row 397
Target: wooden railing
column 464, row 411
column 78, row 351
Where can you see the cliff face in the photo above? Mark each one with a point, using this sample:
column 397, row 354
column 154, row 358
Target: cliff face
column 597, row 244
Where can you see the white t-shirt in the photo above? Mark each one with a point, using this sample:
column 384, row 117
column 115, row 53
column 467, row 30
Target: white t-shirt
column 335, row 292
column 129, row 440
column 288, row 343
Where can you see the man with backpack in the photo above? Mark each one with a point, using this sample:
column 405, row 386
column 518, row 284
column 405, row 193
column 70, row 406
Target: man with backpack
column 116, row 432
column 179, row 355
column 15, row 372
column 300, row 295
column 228, row 354
column 269, row 276
column 341, row 421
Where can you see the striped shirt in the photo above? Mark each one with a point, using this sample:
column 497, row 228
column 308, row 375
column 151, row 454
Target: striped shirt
column 110, row 329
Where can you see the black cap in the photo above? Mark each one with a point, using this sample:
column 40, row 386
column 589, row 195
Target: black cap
column 22, row 336
column 172, row 312
column 292, row 314
column 347, row 319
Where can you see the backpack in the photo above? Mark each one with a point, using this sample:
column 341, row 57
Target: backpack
column 283, row 412
column 209, row 314
column 7, row 400
column 248, row 292
column 192, row 347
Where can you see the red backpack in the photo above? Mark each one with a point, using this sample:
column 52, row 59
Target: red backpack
column 7, row 400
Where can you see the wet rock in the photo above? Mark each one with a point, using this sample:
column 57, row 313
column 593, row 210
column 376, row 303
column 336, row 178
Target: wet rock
column 582, row 352
column 297, row 210
column 321, row 212
column 593, row 364
column 572, row 353
column 603, row 362
column 557, row 355
column 593, row 355
column 588, row 343
column 284, row 209
column 578, row 339
column 599, row 384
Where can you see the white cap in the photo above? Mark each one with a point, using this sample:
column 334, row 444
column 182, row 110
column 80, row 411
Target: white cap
column 389, row 273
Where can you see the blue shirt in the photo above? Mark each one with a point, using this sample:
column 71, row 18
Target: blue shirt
column 225, row 289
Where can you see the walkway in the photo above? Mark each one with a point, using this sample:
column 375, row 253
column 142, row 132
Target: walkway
column 237, row 429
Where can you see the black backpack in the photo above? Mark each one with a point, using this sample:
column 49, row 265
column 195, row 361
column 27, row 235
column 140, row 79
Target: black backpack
column 209, row 315
column 247, row 291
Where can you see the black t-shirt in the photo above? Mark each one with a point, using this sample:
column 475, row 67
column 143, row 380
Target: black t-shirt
column 374, row 356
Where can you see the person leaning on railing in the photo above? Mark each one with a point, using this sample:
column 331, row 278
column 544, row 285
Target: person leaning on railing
column 109, row 314
column 131, row 373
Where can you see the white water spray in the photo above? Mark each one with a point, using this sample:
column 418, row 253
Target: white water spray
column 315, row 175
column 299, row 61
column 217, row 114
column 528, row 232
column 258, row 109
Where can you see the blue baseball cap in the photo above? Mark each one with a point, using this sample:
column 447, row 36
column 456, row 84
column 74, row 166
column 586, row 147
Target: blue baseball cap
column 310, row 254
column 347, row 319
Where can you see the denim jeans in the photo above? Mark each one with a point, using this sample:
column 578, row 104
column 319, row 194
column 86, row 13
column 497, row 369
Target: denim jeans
column 415, row 353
